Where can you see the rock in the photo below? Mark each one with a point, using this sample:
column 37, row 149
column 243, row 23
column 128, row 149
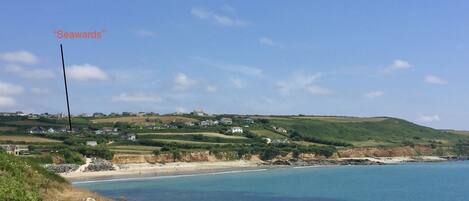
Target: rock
column 62, row 168
column 99, row 165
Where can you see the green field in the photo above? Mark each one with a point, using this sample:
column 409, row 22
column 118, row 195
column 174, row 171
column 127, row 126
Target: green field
column 208, row 134
column 385, row 131
column 25, row 138
column 132, row 149
column 267, row 133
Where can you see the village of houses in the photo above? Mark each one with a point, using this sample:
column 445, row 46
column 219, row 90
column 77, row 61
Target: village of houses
column 231, row 128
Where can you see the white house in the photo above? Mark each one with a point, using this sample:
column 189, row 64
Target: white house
column 226, row 121
column 131, row 137
column 236, row 130
column 91, row 143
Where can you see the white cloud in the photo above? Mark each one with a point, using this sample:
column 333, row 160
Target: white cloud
column 318, row 90
column 29, row 73
column 19, row 56
column 428, row 118
column 137, row 97
column 237, row 83
column 10, row 89
column 266, row 41
column 302, row 82
column 211, row 88
column 182, row 82
column 7, row 102
column 227, row 21
column 398, row 64
column 217, row 19
column 374, row 94
column 432, row 79
column 86, row 72
column 236, row 68
column 145, row 33
column 200, row 13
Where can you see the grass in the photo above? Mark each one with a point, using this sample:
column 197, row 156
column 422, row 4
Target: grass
column 133, row 149
column 343, row 119
column 387, row 131
column 186, row 141
column 31, row 123
column 25, row 138
column 144, row 120
column 267, row 133
column 208, row 134
column 7, row 128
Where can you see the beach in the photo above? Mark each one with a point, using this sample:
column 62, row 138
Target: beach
column 141, row 170
column 152, row 170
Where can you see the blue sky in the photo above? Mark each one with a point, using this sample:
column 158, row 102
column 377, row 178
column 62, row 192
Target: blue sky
column 407, row 59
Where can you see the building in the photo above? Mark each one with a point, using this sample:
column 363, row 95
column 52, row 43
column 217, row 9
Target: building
column 98, row 114
column 226, row 121
column 248, row 121
column 280, row 129
column 91, row 143
column 280, row 141
column 236, row 130
column 37, row 130
column 15, row 149
column 130, row 136
column 51, row 131
column 107, row 131
column 208, row 122
column 33, row 116
column 199, row 112
column 189, row 123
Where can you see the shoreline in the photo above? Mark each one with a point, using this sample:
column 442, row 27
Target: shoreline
column 178, row 169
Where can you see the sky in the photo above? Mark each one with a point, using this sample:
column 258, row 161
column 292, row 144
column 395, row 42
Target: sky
column 405, row 59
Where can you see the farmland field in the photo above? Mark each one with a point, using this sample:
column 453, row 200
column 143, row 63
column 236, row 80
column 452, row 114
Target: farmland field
column 186, row 141
column 144, row 120
column 134, row 149
column 268, row 133
column 208, row 134
column 25, row 138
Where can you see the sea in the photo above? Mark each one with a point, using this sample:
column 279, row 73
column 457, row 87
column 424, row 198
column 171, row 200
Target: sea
column 443, row 181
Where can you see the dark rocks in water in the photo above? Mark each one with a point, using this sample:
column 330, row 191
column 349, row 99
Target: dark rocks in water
column 62, row 168
column 322, row 162
column 456, row 158
column 99, row 165
column 281, row 162
column 359, row 162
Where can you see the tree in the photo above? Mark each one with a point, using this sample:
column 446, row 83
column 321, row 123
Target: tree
column 461, row 148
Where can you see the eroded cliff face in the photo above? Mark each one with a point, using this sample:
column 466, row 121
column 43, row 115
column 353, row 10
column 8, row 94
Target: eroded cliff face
column 203, row 156
column 406, row 151
column 200, row 156
column 206, row 156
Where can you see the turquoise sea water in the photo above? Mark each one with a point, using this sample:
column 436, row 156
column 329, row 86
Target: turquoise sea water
column 409, row 182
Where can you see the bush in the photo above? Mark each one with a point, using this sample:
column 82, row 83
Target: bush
column 71, row 156
column 269, row 153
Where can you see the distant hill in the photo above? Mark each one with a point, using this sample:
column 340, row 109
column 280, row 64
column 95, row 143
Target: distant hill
column 377, row 131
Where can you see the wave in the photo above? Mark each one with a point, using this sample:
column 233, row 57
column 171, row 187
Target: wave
column 166, row 177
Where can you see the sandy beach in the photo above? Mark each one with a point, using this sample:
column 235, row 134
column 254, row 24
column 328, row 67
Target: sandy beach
column 152, row 170
column 142, row 170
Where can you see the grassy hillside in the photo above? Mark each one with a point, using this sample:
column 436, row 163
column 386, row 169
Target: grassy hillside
column 364, row 131
column 23, row 180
